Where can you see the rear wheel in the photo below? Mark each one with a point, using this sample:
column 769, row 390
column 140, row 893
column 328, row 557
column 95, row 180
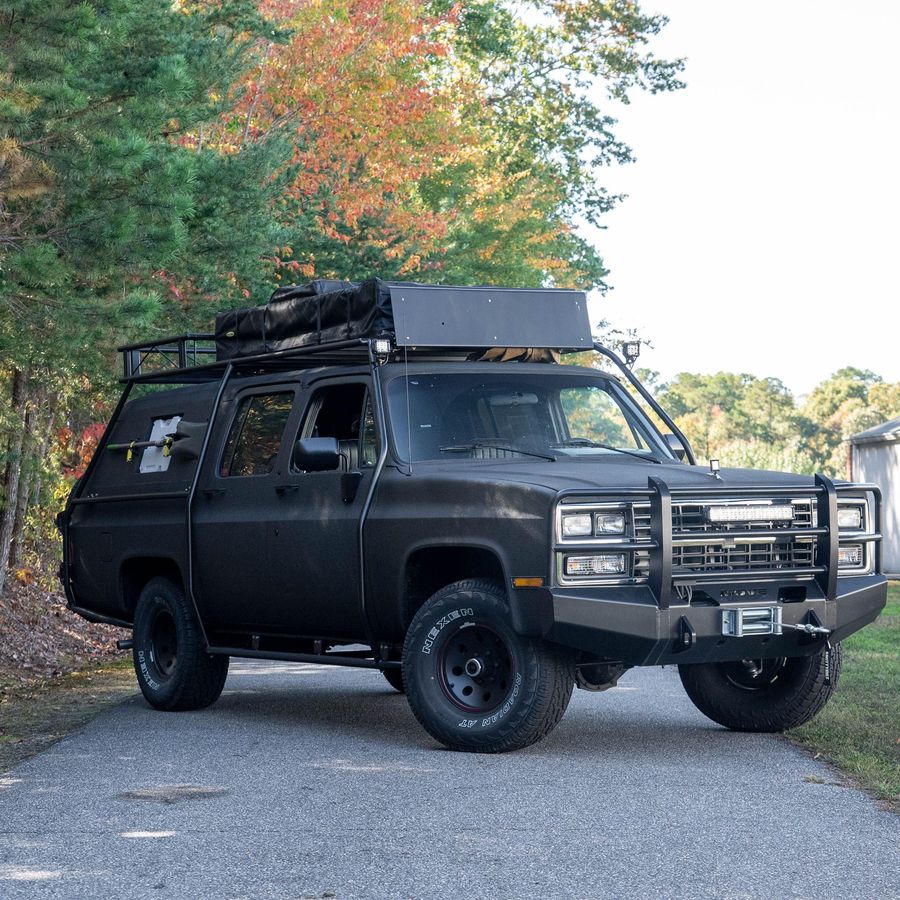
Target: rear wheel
column 472, row 682
column 173, row 669
column 764, row 694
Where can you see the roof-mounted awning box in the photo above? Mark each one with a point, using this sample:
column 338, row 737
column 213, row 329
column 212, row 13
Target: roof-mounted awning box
column 413, row 315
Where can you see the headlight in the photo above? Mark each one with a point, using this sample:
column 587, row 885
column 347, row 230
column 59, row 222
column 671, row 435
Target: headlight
column 602, row 564
column 850, row 517
column 577, row 526
column 610, row 523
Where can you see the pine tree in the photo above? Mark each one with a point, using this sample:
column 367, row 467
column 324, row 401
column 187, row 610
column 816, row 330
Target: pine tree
column 113, row 216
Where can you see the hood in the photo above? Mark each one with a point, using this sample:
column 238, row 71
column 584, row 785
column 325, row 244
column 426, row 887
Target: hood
column 616, row 472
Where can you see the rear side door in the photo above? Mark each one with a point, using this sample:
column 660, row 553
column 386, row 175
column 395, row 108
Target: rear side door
column 235, row 507
column 314, row 538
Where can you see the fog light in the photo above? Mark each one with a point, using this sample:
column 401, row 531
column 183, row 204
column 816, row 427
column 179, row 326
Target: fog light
column 850, row 557
column 850, row 517
column 576, row 526
column 605, row 564
column 610, row 523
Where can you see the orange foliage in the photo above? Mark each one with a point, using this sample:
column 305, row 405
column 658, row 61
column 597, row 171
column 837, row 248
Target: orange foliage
column 369, row 116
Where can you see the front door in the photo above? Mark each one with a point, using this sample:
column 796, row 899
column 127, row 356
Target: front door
column 314, row 539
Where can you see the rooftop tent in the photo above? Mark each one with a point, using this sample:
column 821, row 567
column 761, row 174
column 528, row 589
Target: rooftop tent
column 413, row 315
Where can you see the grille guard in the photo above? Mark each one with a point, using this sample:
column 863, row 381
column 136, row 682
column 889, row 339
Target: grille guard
column 663, row 581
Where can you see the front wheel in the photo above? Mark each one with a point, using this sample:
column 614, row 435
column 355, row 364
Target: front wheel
column 472, row 682
column 764, row 694
column 173, row 669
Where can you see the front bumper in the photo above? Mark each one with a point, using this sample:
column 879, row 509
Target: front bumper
column 626, row 624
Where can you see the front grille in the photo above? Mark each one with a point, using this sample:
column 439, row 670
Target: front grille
column 789, row 554
column 724, row 551
column 641, row 525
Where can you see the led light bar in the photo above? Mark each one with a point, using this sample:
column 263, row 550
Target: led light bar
column 771, row 513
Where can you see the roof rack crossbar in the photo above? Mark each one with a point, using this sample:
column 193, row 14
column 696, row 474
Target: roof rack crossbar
column 180, row 351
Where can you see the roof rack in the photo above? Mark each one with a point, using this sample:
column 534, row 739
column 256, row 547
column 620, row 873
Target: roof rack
column 339, row 323
column 182, row 359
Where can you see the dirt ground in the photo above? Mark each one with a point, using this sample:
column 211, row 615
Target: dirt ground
column 57, row 671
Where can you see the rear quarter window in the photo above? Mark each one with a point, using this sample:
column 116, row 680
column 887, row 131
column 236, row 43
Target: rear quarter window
column 254, row 439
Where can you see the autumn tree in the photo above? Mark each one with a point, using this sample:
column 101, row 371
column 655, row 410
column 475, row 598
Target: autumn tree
column 353, row 91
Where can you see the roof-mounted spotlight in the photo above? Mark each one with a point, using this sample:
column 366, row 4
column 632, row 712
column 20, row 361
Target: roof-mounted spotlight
column 631, row 350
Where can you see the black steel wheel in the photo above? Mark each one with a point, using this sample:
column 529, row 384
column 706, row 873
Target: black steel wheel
column 764, row 694
column 476, row 669
column 753, row 674
column 472, row 681
column 173, row 669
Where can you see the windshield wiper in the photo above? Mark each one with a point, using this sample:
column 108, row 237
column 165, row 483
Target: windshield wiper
column 478, row 445
column 585, row 442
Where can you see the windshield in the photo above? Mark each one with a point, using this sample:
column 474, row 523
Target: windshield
column 523, row 415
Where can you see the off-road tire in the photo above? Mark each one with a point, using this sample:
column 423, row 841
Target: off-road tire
column 394, row 677
column 173, row 670
column 791, row 692
column 528, row 681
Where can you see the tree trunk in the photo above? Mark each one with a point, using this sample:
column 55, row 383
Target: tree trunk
column 26, row 475
column 13, row 471
column 35, row 499
column 30, row 486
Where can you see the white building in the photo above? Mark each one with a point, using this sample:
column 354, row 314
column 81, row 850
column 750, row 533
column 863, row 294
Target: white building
column 875, row 457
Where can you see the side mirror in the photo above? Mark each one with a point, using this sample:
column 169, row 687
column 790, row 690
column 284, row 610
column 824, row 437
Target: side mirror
column 675, row 445
column 317, row 454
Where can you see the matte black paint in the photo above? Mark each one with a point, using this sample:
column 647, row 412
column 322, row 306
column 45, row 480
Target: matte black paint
column 276, row 561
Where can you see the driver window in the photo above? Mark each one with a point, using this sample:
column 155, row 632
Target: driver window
column 338, row 411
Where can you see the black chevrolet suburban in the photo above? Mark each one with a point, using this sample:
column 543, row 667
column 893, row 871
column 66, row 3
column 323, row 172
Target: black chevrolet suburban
column 411, row 478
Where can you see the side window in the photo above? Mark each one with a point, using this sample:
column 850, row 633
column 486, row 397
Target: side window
column 255, row 437
column 337, row 411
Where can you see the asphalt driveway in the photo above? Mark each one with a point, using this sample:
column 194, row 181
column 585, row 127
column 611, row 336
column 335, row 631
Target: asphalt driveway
column 307, row 781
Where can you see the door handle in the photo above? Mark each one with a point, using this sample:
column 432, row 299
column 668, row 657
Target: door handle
column 283, row 489
column 209, row 493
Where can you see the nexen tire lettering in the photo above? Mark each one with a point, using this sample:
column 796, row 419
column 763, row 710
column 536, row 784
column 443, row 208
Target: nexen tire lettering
column 439, row 625
column 146, row 672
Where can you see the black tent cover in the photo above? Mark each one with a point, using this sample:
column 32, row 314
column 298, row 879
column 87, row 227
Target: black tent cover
column 320, row 312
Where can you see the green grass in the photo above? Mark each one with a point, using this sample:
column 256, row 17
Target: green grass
column 859, row 729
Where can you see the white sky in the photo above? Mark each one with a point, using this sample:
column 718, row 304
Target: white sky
column 760, row 232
